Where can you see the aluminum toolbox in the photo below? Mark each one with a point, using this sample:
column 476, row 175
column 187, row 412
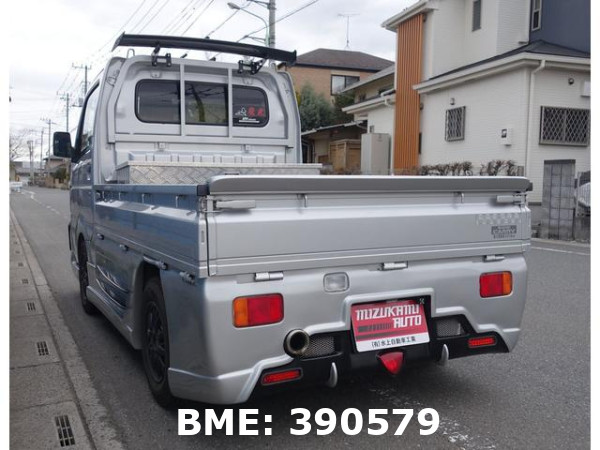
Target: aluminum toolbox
column 153, row 172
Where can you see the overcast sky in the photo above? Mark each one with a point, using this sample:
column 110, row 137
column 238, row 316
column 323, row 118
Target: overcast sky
column 47, row 37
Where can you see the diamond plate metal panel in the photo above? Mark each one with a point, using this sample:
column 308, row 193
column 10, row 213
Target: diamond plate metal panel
column 198, row 173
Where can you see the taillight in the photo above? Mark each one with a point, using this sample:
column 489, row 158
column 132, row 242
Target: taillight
column 486, row 341
column 280, row 377
column 257, row 310
column 495, row 284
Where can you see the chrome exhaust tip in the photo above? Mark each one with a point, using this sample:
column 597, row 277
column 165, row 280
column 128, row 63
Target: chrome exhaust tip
column 296, row 342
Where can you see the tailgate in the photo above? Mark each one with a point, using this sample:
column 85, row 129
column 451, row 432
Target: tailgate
column 271, row 223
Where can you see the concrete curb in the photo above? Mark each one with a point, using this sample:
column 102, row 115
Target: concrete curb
column 102, row 434
column 557, row 242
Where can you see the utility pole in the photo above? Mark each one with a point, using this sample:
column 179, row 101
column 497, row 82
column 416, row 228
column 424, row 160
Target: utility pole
column 272, row 23
column 42, row 150
column 49, row 123
column 85, row 69
column 66, row 97
column 30, row 145
column 347, row 17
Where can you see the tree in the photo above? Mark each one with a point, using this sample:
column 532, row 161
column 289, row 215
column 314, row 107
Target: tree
column 60, row 174
column 341, row 101
column 17, row 144
column 315, row 110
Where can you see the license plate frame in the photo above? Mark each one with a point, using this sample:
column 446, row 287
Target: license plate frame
column 389, row 324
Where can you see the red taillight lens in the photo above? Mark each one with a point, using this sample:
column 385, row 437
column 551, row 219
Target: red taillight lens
column 257, row 310
column 495, row 284
column 279, row 377
column 486, row 341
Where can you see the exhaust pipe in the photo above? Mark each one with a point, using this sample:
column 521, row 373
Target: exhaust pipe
column 296, row 342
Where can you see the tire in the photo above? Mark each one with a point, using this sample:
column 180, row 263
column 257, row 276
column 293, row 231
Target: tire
column 155, row 346
column 88, row 307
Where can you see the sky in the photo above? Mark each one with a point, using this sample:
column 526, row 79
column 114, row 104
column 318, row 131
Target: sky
column 48, row 38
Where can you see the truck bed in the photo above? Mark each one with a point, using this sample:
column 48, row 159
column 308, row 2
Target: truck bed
column 248, row 224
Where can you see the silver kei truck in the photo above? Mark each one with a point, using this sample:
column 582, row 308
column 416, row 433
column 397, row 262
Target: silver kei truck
column 239, row 271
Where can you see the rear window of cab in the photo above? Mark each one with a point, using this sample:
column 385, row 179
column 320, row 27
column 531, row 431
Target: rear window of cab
column 158, row 101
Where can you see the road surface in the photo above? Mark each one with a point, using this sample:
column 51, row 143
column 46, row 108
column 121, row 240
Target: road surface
column 535, row 397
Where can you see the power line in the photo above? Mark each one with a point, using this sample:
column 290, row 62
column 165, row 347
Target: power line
column 177, row 17
column 197, row 17
column 154, row 16
column 224, row 22
column 285, row 16
column 183, row 19
column 112, row 39
column 144, row 16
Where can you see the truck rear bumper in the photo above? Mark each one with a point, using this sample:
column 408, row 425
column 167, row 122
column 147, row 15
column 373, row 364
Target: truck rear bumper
column 214, row 362
column 241, row 386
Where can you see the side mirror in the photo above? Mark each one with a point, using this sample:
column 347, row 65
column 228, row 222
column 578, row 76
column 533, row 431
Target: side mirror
column 62, row 144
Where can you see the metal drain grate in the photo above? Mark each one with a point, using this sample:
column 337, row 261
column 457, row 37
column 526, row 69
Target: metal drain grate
column 24, row 281
column 30, row 306
column 42, row 348
column 65, row 432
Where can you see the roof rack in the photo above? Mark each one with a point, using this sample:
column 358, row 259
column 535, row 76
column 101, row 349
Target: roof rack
column 186, row 43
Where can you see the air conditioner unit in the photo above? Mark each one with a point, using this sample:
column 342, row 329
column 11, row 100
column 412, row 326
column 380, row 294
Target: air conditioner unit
column 375, row 154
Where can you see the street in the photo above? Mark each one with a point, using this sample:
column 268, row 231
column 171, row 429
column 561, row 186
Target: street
column 538, row 396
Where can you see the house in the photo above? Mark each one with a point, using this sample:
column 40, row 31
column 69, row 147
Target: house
column 374, row 103
column 329, row 145
column 55, row 162
column 496, row 79
column 330, row 71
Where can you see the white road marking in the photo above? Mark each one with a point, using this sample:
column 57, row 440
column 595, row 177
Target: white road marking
column 559, row 251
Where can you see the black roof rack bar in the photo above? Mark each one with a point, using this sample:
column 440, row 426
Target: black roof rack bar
column 212, row 45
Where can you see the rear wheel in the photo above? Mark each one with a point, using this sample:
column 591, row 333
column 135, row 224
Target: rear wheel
column 155, row 348
column 88, row 307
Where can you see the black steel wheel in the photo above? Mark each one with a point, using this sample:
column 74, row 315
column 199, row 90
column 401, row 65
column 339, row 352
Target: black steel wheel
column 155, row 348
column 88, row 307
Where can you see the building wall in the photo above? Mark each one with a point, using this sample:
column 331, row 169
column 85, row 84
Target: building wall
column 565, row 23
column 382, row 121
column 552, row 89
column 449, row 41
column 492, row 103
column 498, row 102
column 319, row 78
column 409, row 54
column 371, row 90
column 513, row 29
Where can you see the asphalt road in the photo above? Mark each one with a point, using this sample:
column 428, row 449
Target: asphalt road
column 538, row 396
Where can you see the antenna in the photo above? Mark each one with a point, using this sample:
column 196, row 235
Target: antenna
column 347, row 16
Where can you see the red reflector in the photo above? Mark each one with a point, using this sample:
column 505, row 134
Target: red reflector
column 392, row 361
column 482, row 341
column 279, row 377
column 257, row 310
column 495, row 284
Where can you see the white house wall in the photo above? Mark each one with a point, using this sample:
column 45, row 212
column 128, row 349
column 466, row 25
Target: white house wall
column 514, row 17
column 492, row 104
column 498, row 102
column 382, row 121
column 449, row 41
column 552, row 89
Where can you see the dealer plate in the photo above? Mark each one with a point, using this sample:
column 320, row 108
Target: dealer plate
column 388, row 324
